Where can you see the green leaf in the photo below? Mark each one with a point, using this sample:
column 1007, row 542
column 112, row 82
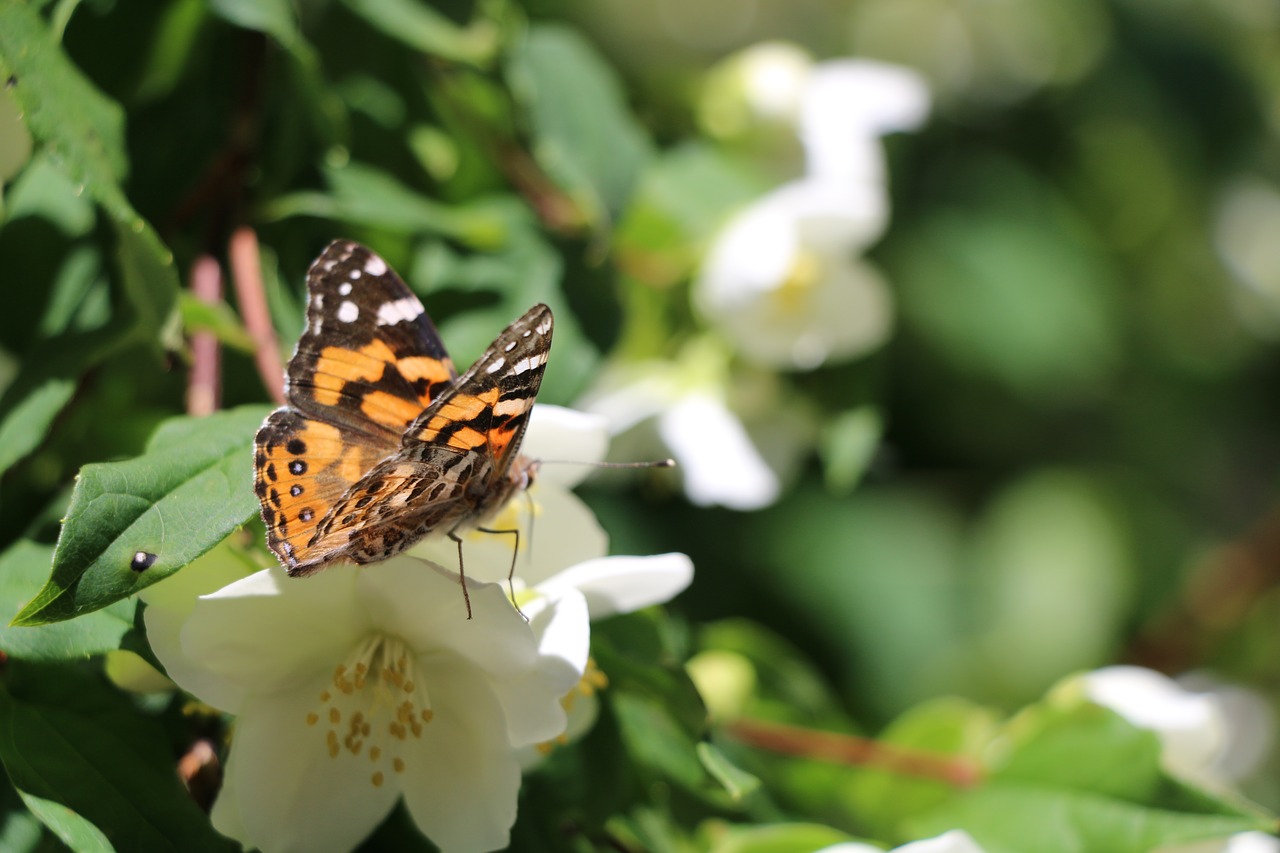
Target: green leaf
column 215, row 317
column 946, row 728
column 737, row 782
column 584, row 137
column 82, row 133
column 23, row 568
column 426, row 30
column 82, row 130
column 72, row 829
column 778, row 838
column 69, row 738
column 367, row 196
column 1083, row 747
column 1002, row 817
column 189, row 490
column 48, row 379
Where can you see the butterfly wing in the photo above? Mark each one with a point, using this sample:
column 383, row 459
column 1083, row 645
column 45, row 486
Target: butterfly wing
column 452, row 468
column 368, row 362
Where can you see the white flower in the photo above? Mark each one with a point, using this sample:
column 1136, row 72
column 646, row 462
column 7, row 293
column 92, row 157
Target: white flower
column 1241, row 842
column 847, row 106
column 364, row 685
column 715, row 455
column 1190, row 725
column 784, row 281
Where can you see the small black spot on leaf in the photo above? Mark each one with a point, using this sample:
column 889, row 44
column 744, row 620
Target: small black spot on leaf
column 142, row 561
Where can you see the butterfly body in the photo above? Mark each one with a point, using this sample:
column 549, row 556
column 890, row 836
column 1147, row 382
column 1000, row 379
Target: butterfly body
column 382, row 443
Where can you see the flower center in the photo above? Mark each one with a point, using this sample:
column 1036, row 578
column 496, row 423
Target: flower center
column 374, row 705
column 792, row 295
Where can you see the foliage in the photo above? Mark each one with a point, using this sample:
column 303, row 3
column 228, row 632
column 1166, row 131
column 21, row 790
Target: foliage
column 1055, row 452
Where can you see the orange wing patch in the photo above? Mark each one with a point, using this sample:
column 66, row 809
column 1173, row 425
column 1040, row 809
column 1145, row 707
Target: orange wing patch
column 302, row 468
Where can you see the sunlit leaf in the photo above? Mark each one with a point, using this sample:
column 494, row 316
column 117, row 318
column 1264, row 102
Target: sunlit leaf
column 136, row 522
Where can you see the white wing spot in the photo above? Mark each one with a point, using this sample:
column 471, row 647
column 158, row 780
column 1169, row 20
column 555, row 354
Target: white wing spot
column 344, row 288
column 496, row 366
column 509, row 347
column 526, row 333
column 328, row 265
column 526, row 364
column 399, row 310
column 354, row 274
column 375, row 265
column 543, row 327
column 348, row 312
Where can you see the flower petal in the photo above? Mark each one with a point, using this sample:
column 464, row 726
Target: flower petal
column 289, row 793
column 422, row 604
column 623, row 584
column 557, row 434
column 715, row 454
column 269, row 630
column 461, row 780
column 532, row 702
column 561, row 530
column 846, row 106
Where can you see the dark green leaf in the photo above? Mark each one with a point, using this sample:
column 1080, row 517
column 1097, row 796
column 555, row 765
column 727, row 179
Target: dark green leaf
column 426, row 30
column 583, row 134
column 69, row 738
column 136, row 522
column 1002, row 817
column 23, row 568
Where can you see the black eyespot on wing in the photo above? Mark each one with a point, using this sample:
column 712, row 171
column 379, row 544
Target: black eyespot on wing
column 296, row 446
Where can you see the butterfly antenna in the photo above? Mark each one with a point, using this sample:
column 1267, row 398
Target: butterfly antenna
column 655, row 463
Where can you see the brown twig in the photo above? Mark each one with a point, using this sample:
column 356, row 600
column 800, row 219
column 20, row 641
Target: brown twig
column 849, row 749
column 246, row 272
column 204, row 385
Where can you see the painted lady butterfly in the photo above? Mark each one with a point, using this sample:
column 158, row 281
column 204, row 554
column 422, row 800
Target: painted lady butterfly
column 381, row 442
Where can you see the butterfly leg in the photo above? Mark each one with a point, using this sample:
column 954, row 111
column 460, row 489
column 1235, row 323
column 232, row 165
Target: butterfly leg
column 511, row 575
column 462, row 574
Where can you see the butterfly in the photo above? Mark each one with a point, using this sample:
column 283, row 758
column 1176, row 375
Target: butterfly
column 381, row 441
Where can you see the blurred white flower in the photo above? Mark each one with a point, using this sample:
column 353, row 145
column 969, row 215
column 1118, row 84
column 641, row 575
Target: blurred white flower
column 685, row 401
column 784, row 281
column 365, row 685
column 1210, row 737
column 846, row 106
column 955, row 841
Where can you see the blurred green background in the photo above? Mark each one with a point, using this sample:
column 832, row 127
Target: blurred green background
column 1079, row 455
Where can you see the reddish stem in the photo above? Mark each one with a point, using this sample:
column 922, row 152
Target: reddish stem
column 246, row 272
column 204, row 386
column 863, row 752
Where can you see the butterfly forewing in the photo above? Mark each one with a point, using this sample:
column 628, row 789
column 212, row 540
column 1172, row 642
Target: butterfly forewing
column 369, row 357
